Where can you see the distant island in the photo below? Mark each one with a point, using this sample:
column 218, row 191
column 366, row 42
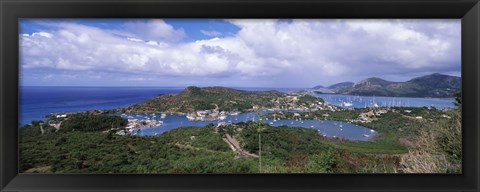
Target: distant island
column 435, row 85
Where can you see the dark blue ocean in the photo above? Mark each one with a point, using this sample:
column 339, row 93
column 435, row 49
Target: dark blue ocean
column 37, row 102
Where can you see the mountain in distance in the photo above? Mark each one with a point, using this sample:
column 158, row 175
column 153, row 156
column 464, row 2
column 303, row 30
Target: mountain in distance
column 341, row 85
column 435, row 85
column 332, row 88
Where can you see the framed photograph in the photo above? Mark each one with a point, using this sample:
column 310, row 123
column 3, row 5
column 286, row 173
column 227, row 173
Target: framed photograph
column 240, row 95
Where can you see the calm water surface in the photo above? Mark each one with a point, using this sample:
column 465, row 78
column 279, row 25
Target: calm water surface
column 370, row 101
column 325, row 127
column 37, row 102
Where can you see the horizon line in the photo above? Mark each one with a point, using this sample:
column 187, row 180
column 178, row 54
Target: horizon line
column 157, row 86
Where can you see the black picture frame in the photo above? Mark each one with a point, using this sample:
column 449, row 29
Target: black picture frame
column 12, row 10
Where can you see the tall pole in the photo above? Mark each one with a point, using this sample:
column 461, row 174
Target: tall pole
column 260, row 150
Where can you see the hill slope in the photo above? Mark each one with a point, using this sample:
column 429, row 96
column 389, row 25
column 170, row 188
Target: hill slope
column 217, row 98
column 341, row 85
column 434, row 85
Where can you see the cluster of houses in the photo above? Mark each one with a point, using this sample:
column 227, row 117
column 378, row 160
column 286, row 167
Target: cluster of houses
column 135, row 125
column 291, row 102
column 369, row 116
column 208, row 115
column 57, row 121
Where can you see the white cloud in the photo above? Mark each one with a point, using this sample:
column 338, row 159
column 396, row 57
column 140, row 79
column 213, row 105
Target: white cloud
column 327, row 49
column 211, row 33
column 154, row 30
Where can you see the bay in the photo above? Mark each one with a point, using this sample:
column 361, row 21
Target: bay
column 37, row 102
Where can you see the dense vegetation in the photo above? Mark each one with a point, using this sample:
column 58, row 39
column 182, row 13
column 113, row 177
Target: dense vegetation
column 397, row 127
column 437, row 148
column 88, row 122
column 96, row 152
column 223, row 99
column 191, row 150
column 434, row 85
column 195, row 98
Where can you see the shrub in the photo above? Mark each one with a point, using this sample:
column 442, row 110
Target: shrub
column 86, row 122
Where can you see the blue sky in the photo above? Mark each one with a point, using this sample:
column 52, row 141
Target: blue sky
column 233, row 53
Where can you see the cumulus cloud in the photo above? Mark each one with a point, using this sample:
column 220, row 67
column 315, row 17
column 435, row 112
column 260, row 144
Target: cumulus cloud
column 299, row 51
column 154, row 30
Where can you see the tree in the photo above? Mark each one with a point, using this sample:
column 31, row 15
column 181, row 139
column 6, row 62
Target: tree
column 458, row 99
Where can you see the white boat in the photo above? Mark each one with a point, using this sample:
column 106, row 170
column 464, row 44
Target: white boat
column 223, row 117
column 163, row 116
column 346, row 104
column 371, row 130
column 190, row 118
column 271, row 123
column 365, row 135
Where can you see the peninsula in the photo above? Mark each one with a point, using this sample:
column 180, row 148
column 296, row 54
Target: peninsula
column 213, row 103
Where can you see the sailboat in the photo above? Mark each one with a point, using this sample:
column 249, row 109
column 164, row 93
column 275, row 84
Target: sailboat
column 346, row 104
column 364, row 133
column 374, row 103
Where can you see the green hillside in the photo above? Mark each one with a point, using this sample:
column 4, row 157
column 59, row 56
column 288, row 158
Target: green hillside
column 220, row 98
column 434, row 85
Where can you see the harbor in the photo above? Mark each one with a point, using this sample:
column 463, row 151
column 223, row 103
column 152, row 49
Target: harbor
column 326, row 128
